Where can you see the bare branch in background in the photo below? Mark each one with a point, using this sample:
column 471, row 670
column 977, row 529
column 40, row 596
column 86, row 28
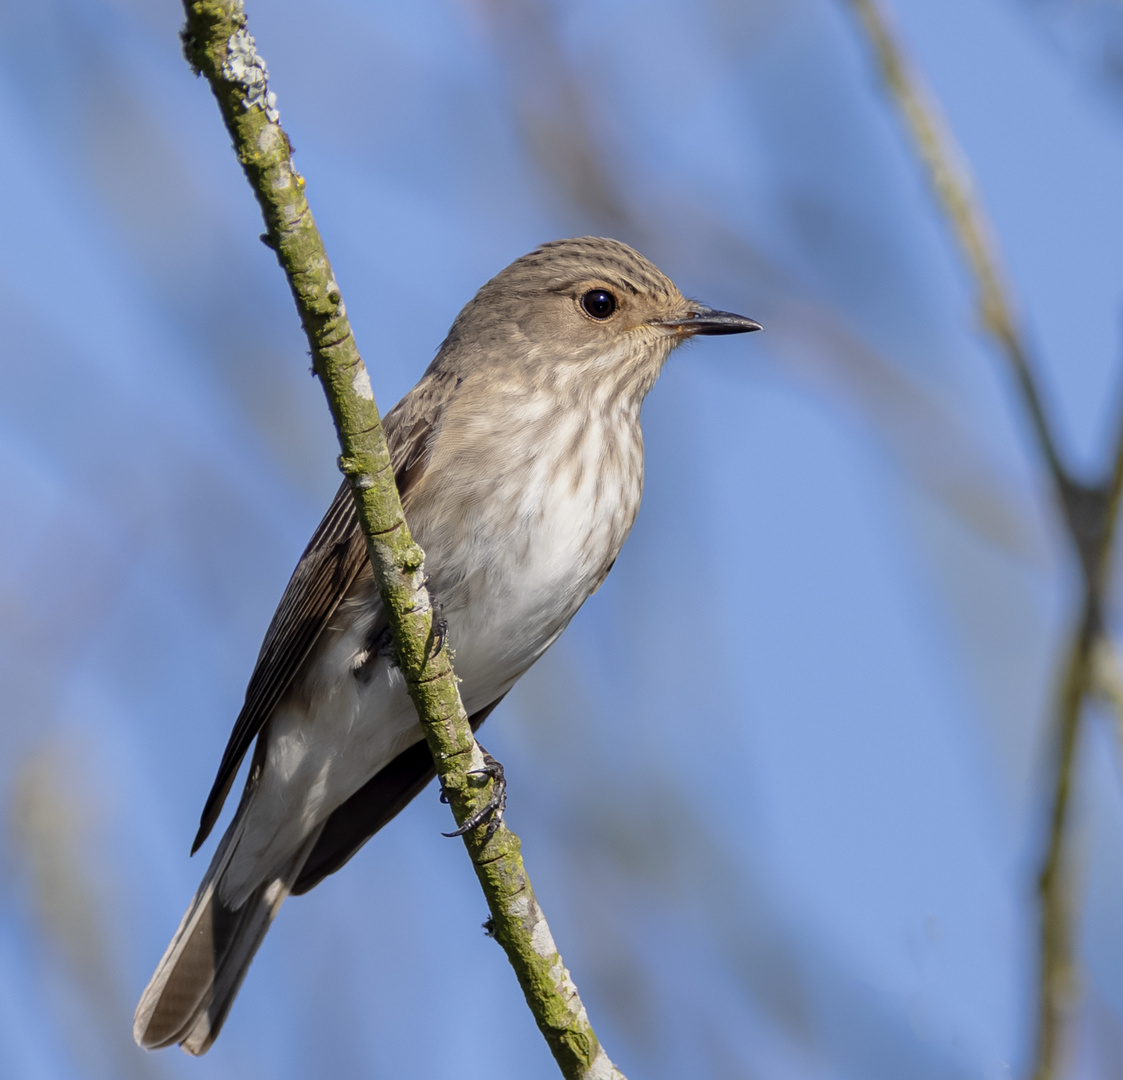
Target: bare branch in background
column 1089, row 512
column 52, row 818
column 1108, row 673
column 951, row 180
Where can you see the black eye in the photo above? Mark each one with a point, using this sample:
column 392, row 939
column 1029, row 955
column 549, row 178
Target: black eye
column 598, row 303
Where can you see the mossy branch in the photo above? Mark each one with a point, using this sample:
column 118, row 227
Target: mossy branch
column 1090, row 512
column 217, row 44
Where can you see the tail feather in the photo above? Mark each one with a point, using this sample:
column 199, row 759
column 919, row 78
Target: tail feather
column 190, row 994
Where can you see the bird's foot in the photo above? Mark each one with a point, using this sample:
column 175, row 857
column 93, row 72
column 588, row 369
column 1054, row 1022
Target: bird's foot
column 492, row 810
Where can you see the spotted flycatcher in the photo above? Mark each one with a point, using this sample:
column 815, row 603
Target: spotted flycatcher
column 519, row 459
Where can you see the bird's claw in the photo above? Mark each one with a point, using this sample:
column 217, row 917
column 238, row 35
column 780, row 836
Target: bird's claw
column 492, row 811
column 440, row 623
column 440, row 630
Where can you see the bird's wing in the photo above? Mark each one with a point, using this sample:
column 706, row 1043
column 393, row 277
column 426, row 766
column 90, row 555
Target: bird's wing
column 378, row 801
column 332, row 560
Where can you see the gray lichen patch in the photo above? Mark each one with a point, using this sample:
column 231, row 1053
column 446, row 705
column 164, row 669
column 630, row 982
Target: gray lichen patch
column 602, row 1068
column 542, row 941
column 245, row 66
column 361, row 384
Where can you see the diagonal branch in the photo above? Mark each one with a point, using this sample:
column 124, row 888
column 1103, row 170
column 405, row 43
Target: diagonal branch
column 1089, row 671
column 951, row 181
column 1109, row 681
column 1089, row 512
column 218, row 46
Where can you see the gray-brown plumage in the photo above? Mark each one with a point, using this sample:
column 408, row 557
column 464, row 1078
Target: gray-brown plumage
column 519, row 458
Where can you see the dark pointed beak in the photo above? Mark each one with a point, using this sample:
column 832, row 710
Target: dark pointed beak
column 705, row 320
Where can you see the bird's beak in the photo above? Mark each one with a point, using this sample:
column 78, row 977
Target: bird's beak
column 705, row 320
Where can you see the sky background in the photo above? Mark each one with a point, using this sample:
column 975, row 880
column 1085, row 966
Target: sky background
column 782, row 785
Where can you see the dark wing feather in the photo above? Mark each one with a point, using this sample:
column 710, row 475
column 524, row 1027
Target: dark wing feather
column 327, row 569
column 377, row 802
column 330, row 563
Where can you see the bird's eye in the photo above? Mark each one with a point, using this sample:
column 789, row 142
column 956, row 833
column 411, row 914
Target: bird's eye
column 598, row 303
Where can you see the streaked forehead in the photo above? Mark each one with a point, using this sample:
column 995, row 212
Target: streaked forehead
column 563, row 262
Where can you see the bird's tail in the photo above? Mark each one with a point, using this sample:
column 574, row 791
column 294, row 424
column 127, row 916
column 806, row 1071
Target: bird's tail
column 195, row 983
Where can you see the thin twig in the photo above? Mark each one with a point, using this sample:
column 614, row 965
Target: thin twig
column 1090, row 513
column 218, row 46
column 1108, row 675
column 1056, row 973
column 1084, row 675
column 951, row 181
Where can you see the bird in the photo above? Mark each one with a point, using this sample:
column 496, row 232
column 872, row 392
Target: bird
column 519, row 460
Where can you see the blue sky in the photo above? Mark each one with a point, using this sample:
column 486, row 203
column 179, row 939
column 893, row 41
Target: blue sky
column 781, row 783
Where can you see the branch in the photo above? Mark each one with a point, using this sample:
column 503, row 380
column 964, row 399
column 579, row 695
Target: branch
column 1091, row 669
column 218, row 46
column 1090, row 512
column 1109, row 680
column 948, row 174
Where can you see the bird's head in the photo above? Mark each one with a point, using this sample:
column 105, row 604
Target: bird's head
column 587, row 307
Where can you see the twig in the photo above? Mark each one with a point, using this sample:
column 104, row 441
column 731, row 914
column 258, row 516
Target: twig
column 1084, row 675
column 1090, row 512
column 218, row 46
column 1108, row 674
column 951, row 181
column 1056, row 973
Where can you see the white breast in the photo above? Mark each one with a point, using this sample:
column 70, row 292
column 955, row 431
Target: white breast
column 540, row 543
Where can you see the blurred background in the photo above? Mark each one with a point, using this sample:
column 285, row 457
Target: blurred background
column 783, row 785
